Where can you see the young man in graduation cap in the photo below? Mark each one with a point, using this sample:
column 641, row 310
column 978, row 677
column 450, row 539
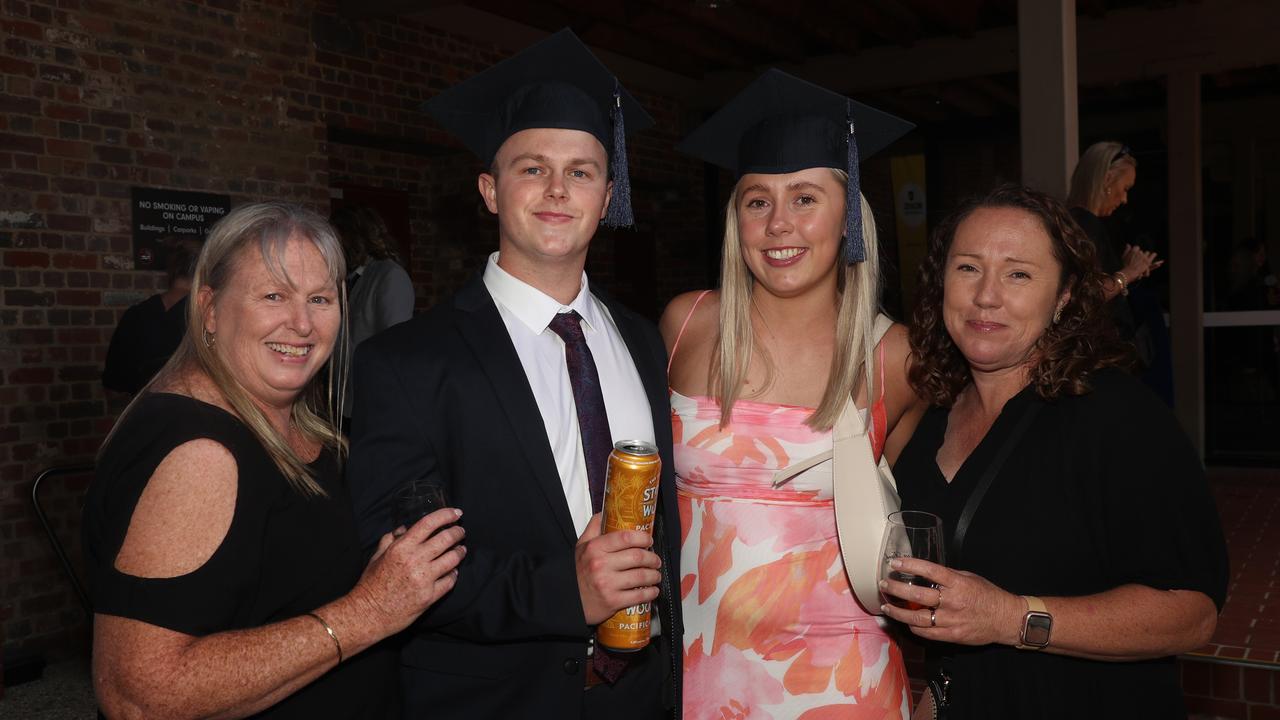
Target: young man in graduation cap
column 510, row 395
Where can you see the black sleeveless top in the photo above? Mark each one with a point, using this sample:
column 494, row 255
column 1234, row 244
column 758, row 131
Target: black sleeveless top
column 284, row 554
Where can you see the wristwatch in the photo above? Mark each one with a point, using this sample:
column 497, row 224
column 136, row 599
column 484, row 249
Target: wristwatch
column 1037, row 625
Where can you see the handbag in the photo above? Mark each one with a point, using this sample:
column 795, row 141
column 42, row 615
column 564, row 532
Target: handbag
column 865, row 494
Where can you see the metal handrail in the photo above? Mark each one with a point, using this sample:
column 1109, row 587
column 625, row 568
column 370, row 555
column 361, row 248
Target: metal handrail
column 58, row 550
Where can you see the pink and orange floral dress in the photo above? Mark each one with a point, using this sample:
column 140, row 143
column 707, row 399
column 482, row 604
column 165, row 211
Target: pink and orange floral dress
column 772, row 628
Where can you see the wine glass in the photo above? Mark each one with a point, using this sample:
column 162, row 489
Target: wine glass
column 415, row 500
column 910, row 533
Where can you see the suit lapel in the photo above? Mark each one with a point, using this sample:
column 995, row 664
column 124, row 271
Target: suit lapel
column 483, row 330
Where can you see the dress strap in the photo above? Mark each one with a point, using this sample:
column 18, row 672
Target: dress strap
column 684, row 325
column 879, row 415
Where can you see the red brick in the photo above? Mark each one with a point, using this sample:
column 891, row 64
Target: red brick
column 74, row 113
column 23, row 181
column 1219, row 708
column 28, row 298
column 77, row 223
column 67, row 148
column 29, row 375
column 21, row 28
column 22, row 143
column 80, row 261
column 113, row 154
column 79, row 336
column 80, row 297
column 22, row 258
column 112, row 119
column 14, row 66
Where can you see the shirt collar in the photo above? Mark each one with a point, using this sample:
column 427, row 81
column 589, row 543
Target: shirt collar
column 532, row 307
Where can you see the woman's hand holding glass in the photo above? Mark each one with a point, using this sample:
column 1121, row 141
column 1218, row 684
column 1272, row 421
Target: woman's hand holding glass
column 962, row 608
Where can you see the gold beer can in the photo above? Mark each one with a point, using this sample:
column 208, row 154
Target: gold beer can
column 630, row 503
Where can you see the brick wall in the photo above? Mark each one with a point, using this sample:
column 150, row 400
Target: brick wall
column 258, row 100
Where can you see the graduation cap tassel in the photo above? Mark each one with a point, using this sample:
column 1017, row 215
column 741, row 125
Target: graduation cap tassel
column 855, row 250
column 619, row 214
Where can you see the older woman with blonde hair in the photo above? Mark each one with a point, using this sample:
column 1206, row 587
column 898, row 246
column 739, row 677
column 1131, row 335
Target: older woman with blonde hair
column 226, row 576
column 760, row 371
column 1100, row 184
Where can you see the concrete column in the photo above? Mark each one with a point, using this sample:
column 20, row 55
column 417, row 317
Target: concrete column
column 1186, row 258
column 1047, row 93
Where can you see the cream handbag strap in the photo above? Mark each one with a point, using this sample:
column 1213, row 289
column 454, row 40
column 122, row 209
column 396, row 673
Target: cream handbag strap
column 865, row 494
column 784, row 475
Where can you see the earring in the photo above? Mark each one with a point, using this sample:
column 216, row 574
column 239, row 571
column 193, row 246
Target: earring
column 1057, row 315
column 210, row 339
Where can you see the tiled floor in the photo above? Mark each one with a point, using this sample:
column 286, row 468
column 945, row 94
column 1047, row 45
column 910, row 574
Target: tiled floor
column 1249, row 505
column 62, row 693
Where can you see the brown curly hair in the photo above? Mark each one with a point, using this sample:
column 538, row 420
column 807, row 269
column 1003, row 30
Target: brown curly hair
column 1081, row 341
column 364, row 235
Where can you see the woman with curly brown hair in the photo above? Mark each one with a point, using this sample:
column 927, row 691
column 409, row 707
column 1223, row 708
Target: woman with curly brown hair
column 1084, row 548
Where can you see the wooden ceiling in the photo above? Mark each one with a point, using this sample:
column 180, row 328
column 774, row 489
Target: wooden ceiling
column 704, row 50
column 697, row 37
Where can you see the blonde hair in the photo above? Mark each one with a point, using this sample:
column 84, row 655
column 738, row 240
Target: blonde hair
column 859, row 298
column 1097, row 166
column 265, row 228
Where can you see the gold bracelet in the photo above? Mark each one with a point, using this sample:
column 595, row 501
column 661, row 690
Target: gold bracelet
column 332, row 634
column 1121, row 281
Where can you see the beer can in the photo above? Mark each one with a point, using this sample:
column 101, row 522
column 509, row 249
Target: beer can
column 630, row 503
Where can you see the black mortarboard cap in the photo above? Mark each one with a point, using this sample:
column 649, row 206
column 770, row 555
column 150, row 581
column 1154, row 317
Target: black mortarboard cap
column 556, row 83
column 782, row 124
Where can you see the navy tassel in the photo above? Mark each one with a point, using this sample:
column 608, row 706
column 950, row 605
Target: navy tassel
column 855, row 250
column 619, row 213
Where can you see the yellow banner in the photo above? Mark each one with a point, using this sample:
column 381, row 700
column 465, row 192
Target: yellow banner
column 910, row 211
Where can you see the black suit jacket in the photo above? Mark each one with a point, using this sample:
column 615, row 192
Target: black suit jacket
column 444, row 396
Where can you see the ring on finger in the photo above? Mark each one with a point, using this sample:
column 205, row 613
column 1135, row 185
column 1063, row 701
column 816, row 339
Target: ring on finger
column 938, row 604
column 933, row 617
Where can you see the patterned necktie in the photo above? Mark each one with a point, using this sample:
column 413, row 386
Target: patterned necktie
column 593, row 424
column 593, row 419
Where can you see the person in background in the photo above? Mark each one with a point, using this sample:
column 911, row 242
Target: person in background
column 226, row 577
column 379, row 291
column 1084, row 549
column 151, row 331
column 760, row 371
column 1100, row 184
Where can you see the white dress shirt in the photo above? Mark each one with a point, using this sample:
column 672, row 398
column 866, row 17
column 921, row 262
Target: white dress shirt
column 527, row 313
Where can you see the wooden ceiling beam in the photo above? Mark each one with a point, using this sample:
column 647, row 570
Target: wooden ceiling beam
column 905, row 23
column 779, row 17
column 960, row 18
column 631, row 22
column 512, row 36
column 743, row 25
column 1130, row 44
